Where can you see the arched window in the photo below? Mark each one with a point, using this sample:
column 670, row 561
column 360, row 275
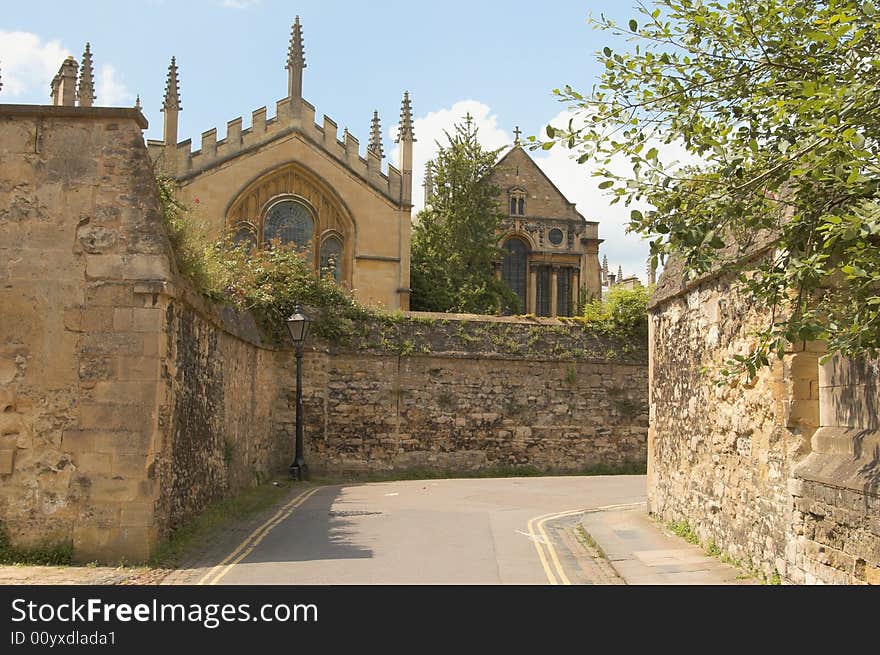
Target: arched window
column 290, row 222
column 331, row 257
column 513, row 268
column 244, row 235
column 517, row 202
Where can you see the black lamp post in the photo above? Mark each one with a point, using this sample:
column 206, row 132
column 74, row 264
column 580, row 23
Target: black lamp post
column 298, row 326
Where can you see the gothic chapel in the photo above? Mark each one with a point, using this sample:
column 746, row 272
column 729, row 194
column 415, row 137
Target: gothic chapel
column 287, row 178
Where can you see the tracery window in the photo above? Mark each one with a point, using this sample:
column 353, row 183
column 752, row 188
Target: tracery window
column 246, row 235
column 289, row 221
column 331, row 257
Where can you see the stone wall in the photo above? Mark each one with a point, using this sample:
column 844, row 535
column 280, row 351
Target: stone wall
column 220, row 385
column 80, row 237
column 126, row 404
column 751, row 467
column 476, row 394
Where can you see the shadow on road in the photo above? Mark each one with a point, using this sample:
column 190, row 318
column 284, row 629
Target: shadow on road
column 320, row 529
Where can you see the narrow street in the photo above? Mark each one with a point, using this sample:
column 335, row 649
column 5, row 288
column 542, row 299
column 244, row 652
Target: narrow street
column 484, row 531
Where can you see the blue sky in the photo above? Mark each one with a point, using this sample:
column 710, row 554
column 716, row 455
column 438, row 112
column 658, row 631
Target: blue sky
column 498, row 60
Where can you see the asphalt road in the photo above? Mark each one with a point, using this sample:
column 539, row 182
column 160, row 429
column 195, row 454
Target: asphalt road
column 479, row 531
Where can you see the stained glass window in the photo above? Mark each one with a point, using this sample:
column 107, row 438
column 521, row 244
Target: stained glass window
column 290, row 222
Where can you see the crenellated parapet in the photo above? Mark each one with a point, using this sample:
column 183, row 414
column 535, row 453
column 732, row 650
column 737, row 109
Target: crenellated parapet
column 189, row 163
column 294, row 117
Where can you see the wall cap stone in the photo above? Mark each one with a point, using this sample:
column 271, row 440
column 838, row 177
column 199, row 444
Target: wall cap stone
column 85, row 113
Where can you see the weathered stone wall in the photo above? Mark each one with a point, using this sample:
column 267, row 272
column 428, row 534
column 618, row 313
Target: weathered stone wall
column 80, row 235
column 742, row 463
column 126, row 404
column 836, row 521
column 221, row 385
column 475, row 394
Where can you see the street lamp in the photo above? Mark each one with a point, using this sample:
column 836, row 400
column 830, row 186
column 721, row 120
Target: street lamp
column 298, row 326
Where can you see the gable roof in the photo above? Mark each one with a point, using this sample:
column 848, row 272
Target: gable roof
column 518, row 152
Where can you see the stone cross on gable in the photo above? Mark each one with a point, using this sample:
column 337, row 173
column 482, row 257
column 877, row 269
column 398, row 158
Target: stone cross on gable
column 517, row 132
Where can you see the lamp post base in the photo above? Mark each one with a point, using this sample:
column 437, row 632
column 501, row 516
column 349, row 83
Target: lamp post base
column 299, row 471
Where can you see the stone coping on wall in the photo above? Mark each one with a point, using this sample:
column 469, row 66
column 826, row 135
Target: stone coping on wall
column 52, row 111
column 673, row 280
column 484, row 318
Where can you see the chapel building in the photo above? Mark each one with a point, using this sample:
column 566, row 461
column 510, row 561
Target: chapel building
column 551, row 258
column 287, row 178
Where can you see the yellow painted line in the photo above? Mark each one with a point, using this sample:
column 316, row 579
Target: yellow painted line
column 541, row 537
column 256, row 541
column 254, row 538
column 540, row 550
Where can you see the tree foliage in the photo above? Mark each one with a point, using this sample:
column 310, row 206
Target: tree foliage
column 779, row 103
column 454, row 240
column 621, row 312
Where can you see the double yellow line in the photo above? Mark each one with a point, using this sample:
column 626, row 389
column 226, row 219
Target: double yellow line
column 542, row 541
column 253, row 539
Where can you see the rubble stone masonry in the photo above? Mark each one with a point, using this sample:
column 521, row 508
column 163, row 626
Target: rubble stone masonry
column 780, row 474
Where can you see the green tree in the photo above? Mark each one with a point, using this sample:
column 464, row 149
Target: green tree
column 454, row 242
column 779, row 101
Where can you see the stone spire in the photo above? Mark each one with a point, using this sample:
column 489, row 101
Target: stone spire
column 429, row 182
column 406, row 138
column 172, row 89
column 296, row 62
column 652, row 272
column 137, row 103
column 604, row 269
column 64, row 84
column 171, row 108
column 619, row 273
column 86, row 91
column 405, row 131
column 376, row 137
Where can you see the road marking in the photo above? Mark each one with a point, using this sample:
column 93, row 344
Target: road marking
column 543, row 539
column 253, row 539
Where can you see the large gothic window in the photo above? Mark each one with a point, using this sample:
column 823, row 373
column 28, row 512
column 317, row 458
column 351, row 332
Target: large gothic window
column 331, row 257
column 513, row 269
column 290, row 222
column 542, row 292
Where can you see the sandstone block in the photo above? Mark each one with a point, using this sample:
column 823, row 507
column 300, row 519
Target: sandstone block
column 137, row 515
column 147, row 319
column 147, row 267
column 7, row 462
column 113, row 417
column 137, row 368
column 114, row 489
column 93, row 463
column 104, row 266
column 76, row 441
column 129, row 463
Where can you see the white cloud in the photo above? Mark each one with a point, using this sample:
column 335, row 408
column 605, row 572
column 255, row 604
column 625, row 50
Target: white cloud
column 429, row 129
column 240, row 4
column 111, row 91
column 28, row 64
